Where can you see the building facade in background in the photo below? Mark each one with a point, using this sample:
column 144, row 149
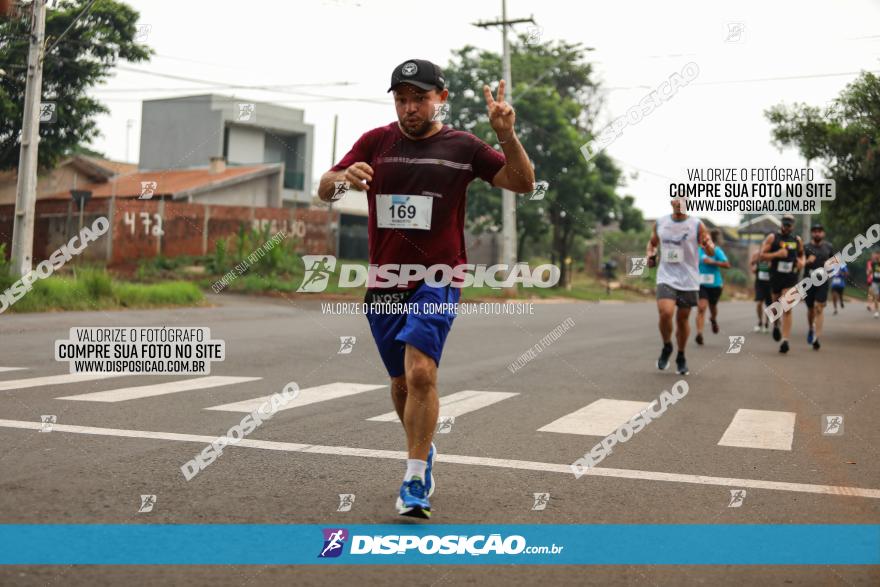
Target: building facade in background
column 184, row 132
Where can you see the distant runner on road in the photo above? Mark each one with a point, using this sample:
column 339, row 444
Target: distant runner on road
column 785, row 251
column 763, row 296
column 838, row 285
column 873, row 273
column 679, row 237
column 711, row 285
column 817, row 252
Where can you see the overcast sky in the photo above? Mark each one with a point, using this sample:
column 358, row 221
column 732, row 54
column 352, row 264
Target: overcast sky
column 789, row 51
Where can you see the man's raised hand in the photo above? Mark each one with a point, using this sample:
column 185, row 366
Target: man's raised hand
column 501, row 115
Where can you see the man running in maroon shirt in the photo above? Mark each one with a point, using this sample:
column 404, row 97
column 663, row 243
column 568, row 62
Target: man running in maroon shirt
column 415, row 173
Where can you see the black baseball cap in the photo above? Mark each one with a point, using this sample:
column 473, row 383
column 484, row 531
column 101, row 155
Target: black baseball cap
column 817, row 226
column 788, row 219
column 420, row 73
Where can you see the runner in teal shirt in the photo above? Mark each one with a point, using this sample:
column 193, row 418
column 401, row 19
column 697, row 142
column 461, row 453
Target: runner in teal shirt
column 711, row 284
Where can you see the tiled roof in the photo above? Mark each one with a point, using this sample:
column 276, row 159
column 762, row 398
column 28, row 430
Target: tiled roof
column 168, row 181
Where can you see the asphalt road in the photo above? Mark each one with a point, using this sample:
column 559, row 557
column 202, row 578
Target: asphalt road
column 494, row 458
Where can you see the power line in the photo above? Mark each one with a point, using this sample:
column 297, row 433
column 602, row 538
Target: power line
column 70, row 26
column 741, row 81
column 247, row 87
column 218, row 87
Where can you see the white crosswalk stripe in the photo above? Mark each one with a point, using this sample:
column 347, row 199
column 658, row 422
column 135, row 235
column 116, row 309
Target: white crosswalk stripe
column 600, row 418
column 310, row 395
column 749, row 428
column 760, row 429
column 55, row 380
column 139, row 392
column 515, row 465
column 458, row 404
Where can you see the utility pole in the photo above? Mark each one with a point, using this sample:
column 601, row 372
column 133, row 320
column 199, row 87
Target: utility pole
column 508, row 201
column 26, row 191
column 333, row 238
column 806, row 233
column 128, row 126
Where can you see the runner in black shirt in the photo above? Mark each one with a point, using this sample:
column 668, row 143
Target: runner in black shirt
column 817, row 252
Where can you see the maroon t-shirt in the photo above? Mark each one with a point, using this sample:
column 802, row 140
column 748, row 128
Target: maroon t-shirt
column 440, row 166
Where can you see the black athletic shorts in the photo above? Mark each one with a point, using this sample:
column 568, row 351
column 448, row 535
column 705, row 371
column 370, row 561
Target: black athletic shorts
column 713, row 294
column 683, row 298
column 781, row 281
column 762, row 292
column 817, row 294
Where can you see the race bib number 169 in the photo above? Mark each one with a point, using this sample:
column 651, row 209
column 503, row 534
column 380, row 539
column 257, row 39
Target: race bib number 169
column 401, row 211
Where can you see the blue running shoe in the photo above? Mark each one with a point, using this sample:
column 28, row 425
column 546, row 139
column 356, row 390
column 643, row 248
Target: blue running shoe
column 414, row 499
column 429, row 475
column 810, row 336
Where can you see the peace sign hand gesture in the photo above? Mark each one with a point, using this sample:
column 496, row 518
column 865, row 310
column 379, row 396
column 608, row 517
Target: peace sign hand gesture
column 501, row 115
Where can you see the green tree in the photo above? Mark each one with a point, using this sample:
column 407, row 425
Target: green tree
column 85, row 57
column 556, row 100
column 843, row 136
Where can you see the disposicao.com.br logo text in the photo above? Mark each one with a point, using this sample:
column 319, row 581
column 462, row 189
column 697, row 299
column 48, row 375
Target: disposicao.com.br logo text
column 454, row 544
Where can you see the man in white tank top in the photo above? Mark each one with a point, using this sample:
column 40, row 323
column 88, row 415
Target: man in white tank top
column 679, row 237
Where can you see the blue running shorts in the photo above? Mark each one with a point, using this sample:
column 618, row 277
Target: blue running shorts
column 425, row 324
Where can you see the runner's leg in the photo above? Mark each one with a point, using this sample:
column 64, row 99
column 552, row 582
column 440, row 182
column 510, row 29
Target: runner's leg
column 786, row 324
column 701, row 314
column 818, row 318
column 423, row 406
column 682, row 328
column 666, row 308
column 786, row 321
column 398, row 395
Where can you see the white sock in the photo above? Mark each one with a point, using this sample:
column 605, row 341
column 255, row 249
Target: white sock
column 415, row 468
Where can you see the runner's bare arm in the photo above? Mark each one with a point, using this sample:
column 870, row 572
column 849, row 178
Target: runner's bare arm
column 706, row 241
column 801, row 260
column 517, row 174
column 766, row 255
column 811, row 258
column 358, row 175
column 651, row 249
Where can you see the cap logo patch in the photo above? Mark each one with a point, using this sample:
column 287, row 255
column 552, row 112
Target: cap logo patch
column 409, row 69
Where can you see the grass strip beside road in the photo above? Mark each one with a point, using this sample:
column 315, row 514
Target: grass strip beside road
column 95, row 289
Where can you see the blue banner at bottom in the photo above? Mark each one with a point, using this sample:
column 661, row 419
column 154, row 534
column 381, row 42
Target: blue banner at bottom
column 529, row 544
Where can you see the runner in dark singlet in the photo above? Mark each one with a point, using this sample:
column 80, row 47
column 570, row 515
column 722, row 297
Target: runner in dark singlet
column 785, row 251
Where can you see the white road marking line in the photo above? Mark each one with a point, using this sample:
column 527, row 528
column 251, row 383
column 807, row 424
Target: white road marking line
column 600, row 418
column 457, row 404
column 142, row 391
column 5, row 369
column 760, row 429
column 464, row 460
column 55, row 380
column 310, row 395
